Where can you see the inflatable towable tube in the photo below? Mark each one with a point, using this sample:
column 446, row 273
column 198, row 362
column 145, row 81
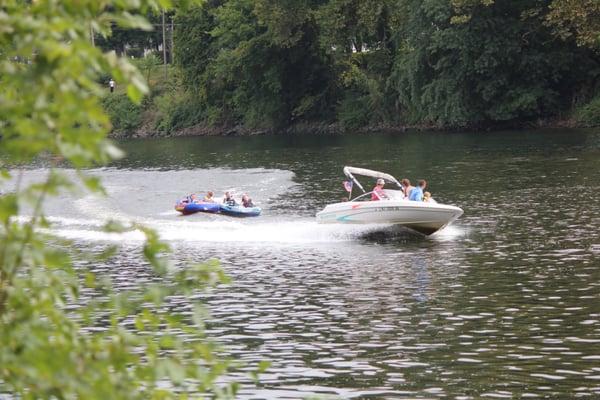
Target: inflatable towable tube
column 190, row 205
column 240, row 211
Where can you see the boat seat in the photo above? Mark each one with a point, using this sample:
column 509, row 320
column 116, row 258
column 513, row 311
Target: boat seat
column 394, row 194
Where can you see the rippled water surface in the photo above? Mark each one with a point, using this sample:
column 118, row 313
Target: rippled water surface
column 504, row 303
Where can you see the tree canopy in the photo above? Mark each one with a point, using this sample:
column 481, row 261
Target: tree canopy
column 446, row 63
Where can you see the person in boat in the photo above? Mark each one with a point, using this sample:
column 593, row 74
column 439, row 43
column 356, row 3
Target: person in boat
column 406, row 187
column 247, row 201
column 209, row 197
column 417, row 193
column 427, row 197
column 229, row 200
column 377, row 193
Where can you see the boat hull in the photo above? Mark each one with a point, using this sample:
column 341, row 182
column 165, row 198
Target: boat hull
column 423, row 217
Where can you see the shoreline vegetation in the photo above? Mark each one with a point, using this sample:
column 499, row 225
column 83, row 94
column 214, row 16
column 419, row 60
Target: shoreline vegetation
column 146, row 120
column 327, row 129
column 247, row 67
column 131, row 121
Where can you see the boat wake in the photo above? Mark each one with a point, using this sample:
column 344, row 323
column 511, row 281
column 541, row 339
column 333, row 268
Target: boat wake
column 134, row 198
column 299, row 231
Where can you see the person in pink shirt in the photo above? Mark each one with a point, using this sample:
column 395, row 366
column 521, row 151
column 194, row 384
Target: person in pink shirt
column 377, row 192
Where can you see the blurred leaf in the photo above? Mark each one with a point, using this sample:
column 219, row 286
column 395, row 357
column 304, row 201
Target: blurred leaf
column 92, row 183
column 261, row 368
column 106, row 254
column 90, row 280
column 113, row 226
column 8, row 207
column 54, row 258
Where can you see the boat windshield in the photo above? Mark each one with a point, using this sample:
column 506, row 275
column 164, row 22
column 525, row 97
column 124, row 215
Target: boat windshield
column 391, row 195
column 363, row 197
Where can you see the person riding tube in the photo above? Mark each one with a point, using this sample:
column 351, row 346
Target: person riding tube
column 229, row 200
column 209, row 197
column 247, row 201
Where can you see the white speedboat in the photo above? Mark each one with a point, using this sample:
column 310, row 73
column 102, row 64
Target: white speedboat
column 424, row 217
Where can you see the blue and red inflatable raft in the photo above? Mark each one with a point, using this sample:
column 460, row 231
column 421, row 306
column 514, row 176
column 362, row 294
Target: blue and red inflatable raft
column 190, row 205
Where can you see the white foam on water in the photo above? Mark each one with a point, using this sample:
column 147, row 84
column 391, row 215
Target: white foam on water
column 451, row 232
column 223, row 230
column 294, row 231
column 99, row 236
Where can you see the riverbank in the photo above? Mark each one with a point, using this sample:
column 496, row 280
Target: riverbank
column 171, row 111
column 318, row 128
column 148, row 130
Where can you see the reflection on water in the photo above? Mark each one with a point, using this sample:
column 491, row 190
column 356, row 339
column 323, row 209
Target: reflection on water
column 504, row 303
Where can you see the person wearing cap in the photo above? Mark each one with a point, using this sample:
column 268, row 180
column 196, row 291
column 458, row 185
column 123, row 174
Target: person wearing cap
column 377, row 193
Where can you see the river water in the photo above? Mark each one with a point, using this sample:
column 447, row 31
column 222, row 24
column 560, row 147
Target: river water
column 503, row 303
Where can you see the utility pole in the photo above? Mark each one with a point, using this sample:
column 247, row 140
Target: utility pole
column 172, row 44
column 164, row 45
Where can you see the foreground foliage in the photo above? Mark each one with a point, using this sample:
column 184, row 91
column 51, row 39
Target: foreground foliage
column 50, row 345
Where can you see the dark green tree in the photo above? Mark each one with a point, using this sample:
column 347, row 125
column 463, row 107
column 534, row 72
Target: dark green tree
column 258, row 65
column 194, row 43
column 358, row 36
column 500, row 63
column 448, row 63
